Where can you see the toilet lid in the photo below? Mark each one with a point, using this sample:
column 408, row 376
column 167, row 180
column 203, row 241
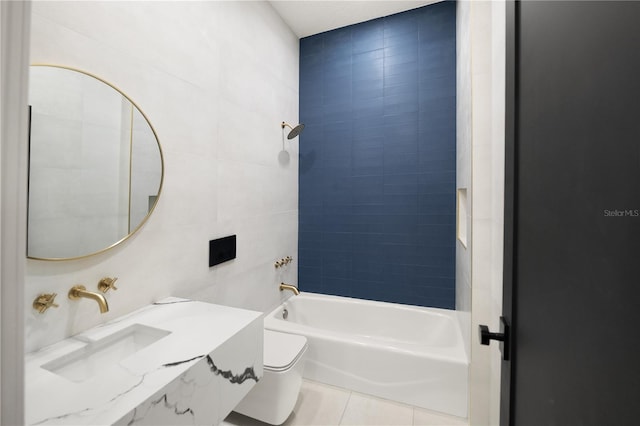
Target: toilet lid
column 281, row 350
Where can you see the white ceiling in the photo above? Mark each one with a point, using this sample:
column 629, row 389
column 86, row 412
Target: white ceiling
column 308, row 17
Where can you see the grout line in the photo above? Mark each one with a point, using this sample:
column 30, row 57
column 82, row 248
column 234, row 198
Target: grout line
column 344, row 410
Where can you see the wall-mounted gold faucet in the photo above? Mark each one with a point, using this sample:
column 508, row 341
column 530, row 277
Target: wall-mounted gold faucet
column 294, row 289
column 79, row 291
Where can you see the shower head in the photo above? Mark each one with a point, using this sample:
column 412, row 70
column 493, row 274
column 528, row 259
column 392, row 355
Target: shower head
column 295, row 131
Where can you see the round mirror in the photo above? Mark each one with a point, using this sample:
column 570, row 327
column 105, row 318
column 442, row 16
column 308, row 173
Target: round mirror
column 95, row 165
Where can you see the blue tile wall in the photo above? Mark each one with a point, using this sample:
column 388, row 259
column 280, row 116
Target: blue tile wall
column 378, row 159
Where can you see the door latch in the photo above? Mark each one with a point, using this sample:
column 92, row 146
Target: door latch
column 503, row 337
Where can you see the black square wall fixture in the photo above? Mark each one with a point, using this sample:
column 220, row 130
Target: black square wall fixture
column 222, row 249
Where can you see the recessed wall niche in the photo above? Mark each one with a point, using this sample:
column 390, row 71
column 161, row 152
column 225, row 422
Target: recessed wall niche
column 461, row 227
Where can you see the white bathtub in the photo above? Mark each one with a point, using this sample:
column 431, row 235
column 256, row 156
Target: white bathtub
column 403, row 353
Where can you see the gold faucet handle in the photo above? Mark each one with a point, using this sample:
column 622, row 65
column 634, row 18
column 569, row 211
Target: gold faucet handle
column 284, row 261
column 44, row 302
column 107, row 284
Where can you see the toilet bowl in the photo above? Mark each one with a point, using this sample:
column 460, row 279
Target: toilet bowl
column 272, row 399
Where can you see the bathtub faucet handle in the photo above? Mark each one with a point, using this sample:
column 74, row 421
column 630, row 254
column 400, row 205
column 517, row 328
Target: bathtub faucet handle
column 284, row 261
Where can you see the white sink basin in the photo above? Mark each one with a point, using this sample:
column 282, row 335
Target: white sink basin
column 101, row 354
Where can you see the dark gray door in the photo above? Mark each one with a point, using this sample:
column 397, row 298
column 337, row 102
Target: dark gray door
column 572, row 233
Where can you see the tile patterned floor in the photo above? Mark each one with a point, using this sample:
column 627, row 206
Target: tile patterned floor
column 324, row 405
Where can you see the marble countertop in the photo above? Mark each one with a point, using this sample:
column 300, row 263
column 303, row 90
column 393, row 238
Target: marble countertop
column 196, row 330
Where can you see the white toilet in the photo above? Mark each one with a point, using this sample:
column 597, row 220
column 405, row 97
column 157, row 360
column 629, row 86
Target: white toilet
column 272, row 399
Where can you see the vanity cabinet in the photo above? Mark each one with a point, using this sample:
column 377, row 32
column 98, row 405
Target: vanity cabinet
column 175, row 362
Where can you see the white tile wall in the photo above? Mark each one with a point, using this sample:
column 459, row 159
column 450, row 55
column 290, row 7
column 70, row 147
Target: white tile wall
column 487, row 33
column 480, row 166
column 463, row 165
column 216, row 79
column 498, row 58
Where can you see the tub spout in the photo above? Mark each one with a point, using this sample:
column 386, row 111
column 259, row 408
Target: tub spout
column 79, row 291
column 294, row 289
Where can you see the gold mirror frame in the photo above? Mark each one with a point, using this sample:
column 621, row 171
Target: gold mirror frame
column 153, row 130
